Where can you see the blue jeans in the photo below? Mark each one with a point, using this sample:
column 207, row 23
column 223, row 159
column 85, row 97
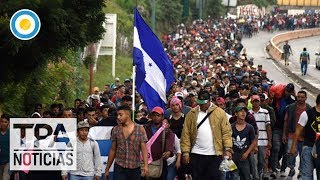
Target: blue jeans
column 172, row 172
column 276, row 151
column 307, row 165
column 292, row 159
column 253, row 166
column 304, row 67
column 243, row 171
column 276, row 145
column 261, row 158
column 78, row 177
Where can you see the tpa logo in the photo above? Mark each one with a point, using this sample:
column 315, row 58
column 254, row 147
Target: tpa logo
column 43, row 144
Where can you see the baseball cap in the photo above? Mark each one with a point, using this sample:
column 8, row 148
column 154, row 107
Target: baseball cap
column 220, row 100
column 254, row 89
column 239, row 108
column 264, row 71
column 117, row 79
column 290, row 87
column 179, row 94
column 255, row 97
column 83, row 124
column 127, row 80
column 157, row 109
column 203, row 97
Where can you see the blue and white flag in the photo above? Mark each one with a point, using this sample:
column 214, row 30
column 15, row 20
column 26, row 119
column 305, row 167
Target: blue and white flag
column 102, row 134
column 154, row 69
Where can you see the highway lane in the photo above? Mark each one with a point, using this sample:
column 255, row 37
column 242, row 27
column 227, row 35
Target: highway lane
column 256, row 49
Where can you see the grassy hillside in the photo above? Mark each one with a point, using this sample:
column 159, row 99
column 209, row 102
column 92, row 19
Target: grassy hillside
column 103, row 74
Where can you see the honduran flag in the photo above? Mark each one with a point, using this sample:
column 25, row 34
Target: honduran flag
column 102, row 134
column 154, row 69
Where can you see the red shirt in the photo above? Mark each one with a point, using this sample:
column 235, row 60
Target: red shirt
column 156, row 148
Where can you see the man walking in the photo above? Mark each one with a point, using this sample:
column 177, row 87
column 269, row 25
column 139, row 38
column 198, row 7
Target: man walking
column 262, row 118
column 286, row 51
column 206, row 136
column 128, row 139
column 304, row 61
column 278, row 148
column 88, row 156
column 309, row 121
column 159, row 149
column 243, row 137
column 291, row 119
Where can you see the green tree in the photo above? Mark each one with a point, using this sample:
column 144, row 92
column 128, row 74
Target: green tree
column 46, row 68
column 168, row 15
column 185, row 10
column 64, row 24
column 214, row 8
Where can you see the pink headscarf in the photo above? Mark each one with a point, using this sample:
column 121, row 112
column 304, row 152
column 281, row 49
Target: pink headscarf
column 175, row 100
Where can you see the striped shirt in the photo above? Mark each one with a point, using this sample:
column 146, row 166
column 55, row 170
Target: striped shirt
column 128, row 149
column 263, row 119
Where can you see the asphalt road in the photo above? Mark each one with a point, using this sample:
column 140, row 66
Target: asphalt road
column 256, row 49
column 313, row 45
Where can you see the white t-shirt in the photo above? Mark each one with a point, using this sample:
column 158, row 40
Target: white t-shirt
column 228, row 116
column 303, row 119
column 204, row 141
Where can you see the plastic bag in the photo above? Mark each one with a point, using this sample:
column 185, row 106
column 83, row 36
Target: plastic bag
column 227, row 165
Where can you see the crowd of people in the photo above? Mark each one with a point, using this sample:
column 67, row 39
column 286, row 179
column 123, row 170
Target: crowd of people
column 250, row 25
column 222, row 105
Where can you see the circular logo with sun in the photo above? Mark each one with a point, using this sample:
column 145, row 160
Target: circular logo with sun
column 25, row 24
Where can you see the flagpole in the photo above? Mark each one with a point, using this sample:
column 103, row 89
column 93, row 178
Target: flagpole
column 133, row 90
column 134, row 81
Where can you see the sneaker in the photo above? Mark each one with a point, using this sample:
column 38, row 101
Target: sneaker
column 283, row 174
column 292, row 172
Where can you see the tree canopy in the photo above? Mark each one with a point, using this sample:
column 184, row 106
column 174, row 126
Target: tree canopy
column 65, row 24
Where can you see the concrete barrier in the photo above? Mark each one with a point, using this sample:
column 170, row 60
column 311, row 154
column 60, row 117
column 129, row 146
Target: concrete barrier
column 275, row 52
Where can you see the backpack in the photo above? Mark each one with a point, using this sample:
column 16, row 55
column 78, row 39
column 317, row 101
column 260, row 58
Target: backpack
column 304, row 56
